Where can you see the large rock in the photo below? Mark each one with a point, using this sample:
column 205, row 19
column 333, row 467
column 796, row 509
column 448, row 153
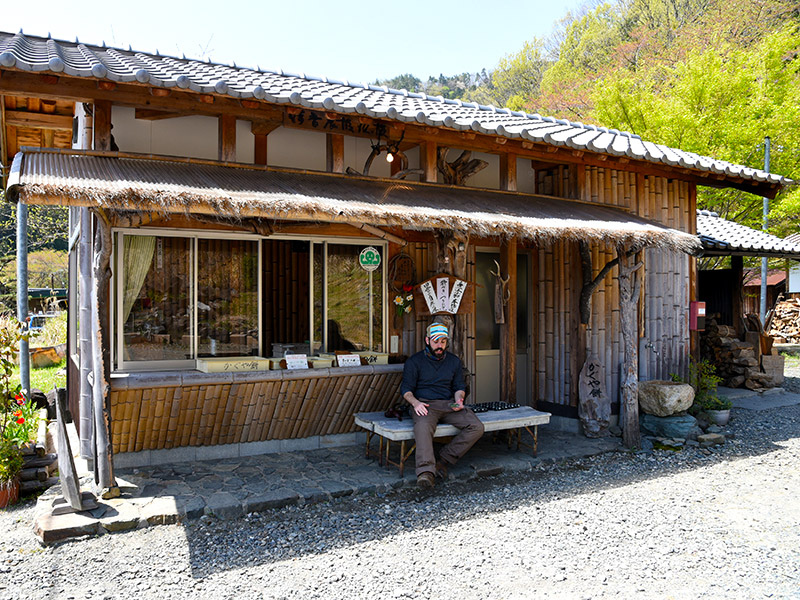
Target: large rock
column 665, row 398
column 684, row 426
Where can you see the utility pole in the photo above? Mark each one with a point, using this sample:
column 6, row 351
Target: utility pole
column 762, row 312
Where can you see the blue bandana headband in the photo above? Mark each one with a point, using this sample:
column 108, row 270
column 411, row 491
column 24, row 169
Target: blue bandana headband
column 437, row 331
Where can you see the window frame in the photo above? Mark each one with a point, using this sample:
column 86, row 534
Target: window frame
column 194, row 235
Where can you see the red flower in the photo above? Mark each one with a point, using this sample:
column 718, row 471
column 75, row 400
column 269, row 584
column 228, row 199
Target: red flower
column 18, row 413
column 20, row 421
column 20, row 401
column 407, row 288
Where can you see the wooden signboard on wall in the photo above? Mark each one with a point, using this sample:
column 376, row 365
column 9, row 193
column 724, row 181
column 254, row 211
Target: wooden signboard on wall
column 444, row 294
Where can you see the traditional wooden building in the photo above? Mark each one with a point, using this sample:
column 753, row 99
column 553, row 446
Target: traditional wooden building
column 220, row 213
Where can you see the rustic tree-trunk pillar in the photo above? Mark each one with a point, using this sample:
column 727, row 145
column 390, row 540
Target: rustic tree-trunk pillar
column 104, row 464
column 226, row 140
column 451, row 258
column 427, row 161
column 629, row 284
column 508, row 330
column 102, row 125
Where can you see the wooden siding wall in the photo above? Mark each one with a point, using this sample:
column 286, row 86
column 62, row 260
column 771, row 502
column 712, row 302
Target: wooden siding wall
column 424, row 256
column 664, row 347
column 280, row 406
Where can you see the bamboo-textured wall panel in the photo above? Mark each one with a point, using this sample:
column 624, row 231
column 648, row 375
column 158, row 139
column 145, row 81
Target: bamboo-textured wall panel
column 555, row 345
column 664, row 346
column 246, row 408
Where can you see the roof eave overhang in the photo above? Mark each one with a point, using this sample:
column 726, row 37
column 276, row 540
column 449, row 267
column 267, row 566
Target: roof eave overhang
column 82, row 89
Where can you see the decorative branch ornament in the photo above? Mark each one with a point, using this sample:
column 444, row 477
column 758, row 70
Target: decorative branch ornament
column 393, row 153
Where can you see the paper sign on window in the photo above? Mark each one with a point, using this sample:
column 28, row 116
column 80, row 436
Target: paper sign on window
column 296, row 361
column 348, row 360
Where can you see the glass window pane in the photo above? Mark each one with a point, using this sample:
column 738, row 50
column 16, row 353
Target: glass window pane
column 227, row 297
column 354, row 298
column 156, row 292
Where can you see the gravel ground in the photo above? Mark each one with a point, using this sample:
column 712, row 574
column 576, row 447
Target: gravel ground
column 699, row 523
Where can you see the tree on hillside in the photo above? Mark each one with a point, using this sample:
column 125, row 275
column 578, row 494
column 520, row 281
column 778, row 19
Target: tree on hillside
column 515, row 79
column 47, row 228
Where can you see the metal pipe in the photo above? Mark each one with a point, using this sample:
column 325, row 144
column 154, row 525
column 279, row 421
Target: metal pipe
column 22, row 293
column 762, row 312
column 86, row 420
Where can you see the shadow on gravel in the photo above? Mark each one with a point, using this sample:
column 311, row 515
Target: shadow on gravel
column 299, row 531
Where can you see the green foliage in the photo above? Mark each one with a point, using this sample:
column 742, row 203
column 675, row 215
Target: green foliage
column 703, row 378
column 516, row 78
column 53, row 332
column 10, row 460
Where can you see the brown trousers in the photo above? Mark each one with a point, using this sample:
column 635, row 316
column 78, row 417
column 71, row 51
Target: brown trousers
column 439, row 411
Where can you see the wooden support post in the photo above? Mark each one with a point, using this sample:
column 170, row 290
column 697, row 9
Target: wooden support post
column 508, row 172
column 737, row 286
column 101, row 356
column 102, row 125
column 260, row 149
column 629, row 285
column 508, row 330
column 427, row 161
column 227, row 138
column 260, row 131
column 334, row 152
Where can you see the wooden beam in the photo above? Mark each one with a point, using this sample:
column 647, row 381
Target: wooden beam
column 38, row 120
column 508, row 172
column 102, row 125
column 428, row 161
column 150, row 114
column 226, row 139
column 334, row 153
column 508, row 330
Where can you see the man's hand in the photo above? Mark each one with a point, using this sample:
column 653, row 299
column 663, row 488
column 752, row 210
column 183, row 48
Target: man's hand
column 421, row 408
column 458, row 404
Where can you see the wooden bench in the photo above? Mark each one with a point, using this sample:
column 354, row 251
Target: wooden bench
column 390, row 429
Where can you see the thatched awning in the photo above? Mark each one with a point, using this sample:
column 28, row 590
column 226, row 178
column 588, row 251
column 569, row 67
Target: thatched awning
column 125, row 182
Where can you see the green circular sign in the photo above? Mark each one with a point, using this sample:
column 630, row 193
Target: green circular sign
column 370, row 258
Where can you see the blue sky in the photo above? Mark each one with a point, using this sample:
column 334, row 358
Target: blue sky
column 355, row 40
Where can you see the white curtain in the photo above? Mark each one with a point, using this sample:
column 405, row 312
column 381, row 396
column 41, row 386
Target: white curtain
column 136, row 260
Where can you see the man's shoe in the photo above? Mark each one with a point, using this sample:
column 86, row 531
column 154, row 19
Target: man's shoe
column 441, row 469
column 425, row 480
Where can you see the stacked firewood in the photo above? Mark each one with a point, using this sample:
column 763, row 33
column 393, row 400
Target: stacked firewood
column 785, row 324
column 40, row 461
column 736, row 362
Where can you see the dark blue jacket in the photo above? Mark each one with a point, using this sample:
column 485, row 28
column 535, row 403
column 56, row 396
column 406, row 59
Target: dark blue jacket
column 430, row 379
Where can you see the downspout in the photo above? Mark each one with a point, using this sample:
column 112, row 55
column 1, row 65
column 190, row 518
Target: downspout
column 85, row 332
column 22, row 293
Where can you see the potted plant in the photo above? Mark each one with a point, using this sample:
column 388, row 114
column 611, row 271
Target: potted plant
column 718, row 410
column 18, row 420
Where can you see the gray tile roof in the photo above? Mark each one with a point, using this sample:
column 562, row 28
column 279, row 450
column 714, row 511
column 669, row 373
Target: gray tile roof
column 725, row 238
column 38, row 54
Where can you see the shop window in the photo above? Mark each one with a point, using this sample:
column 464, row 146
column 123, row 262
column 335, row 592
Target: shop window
column 183, row 297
